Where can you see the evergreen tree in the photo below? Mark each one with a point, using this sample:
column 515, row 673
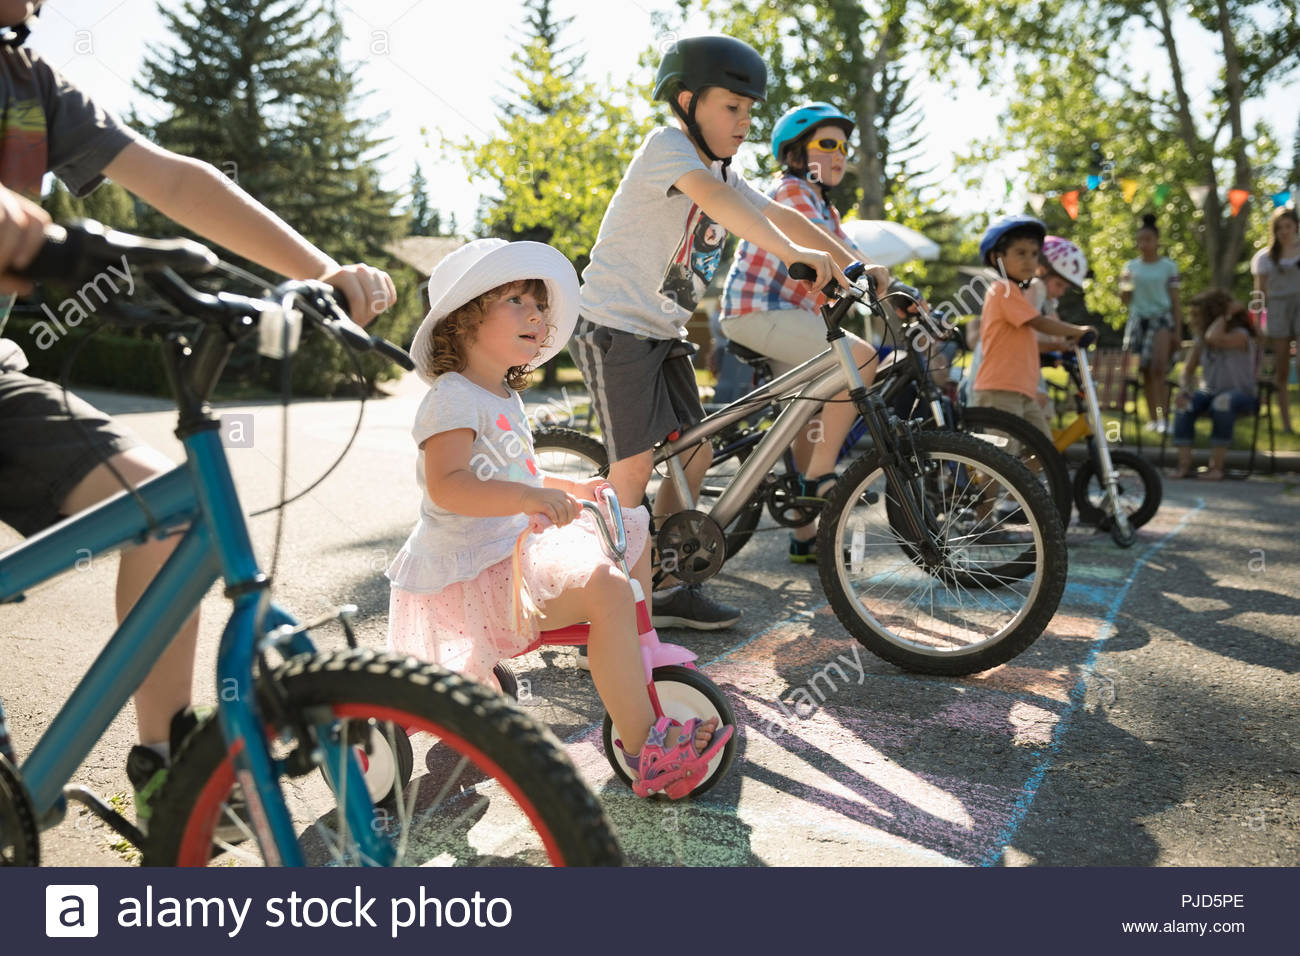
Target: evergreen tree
column 425, row 220
column 110, row 204
column 1294, row 179
column 258, row 88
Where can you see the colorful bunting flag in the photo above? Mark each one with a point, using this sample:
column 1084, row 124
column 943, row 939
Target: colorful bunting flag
column 1009, row 188
column 1129, row 187
column 1070, row 201
column 1237, row 198
column 1199, row 194
column 1281, row 199
column 1093, row 182
column 1036, row 201
column 1162, row 193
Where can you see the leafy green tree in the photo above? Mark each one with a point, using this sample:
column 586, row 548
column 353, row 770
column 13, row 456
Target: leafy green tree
column 561, row 149
column 1258, row 43
column 258, row 88
column 1294, row 179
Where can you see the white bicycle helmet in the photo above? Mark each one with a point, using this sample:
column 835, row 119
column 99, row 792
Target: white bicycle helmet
column 1066, row 260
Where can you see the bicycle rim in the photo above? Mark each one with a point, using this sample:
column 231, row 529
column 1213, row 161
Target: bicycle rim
column 984, row 595
column 490, row 787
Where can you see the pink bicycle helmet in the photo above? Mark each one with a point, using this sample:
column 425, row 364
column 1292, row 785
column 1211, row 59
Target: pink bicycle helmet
column 1066, row 260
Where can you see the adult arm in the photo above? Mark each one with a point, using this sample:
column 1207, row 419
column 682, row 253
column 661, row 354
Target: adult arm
column 1188, row 376
column 196, row 195
column 1219, row 336
column 22, row 233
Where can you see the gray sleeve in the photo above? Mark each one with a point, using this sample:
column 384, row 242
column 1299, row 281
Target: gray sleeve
column 448, row 405
column 83, row 138
column 758, row 200
column 667, row 157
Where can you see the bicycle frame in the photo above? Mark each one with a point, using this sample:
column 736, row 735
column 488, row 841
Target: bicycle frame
column 810, row 383
column 200, row 497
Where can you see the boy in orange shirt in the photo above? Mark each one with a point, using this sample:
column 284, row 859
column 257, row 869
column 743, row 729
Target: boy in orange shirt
column 1008, row 375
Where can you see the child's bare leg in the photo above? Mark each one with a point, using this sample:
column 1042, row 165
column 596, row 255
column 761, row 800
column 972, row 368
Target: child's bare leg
column 837, row 417
column 166, row 689
column 1218, row 456
column 615, row 653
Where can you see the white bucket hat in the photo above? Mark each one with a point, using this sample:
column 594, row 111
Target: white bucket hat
column 483, row 265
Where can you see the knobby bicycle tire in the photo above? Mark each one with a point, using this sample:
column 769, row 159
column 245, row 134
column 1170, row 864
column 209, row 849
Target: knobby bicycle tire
column 1040, row 446
column 954, row 617
column 521, row 787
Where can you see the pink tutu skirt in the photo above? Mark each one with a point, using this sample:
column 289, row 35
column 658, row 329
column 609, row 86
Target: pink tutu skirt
column 470, row 625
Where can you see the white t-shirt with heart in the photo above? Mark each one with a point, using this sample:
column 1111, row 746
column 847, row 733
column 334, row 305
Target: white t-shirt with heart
column 446, row 547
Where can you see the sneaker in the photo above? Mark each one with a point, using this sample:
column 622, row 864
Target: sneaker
column 688, row 606
column 147, row 770
column 583, row 661
column 803, row 552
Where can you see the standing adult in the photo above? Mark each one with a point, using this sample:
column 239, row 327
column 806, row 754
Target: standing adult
column 1149, row 287
column 1277, row 279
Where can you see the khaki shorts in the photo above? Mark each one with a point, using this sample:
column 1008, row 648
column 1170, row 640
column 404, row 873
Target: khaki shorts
column 788, row 337
column 1022, row 406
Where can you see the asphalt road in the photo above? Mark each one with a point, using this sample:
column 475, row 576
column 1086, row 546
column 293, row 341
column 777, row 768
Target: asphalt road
column 1154, row 723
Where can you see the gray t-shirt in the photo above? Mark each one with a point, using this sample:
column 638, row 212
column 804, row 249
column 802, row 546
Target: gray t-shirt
column 1281, row 278
column 656, row 250
column 447, row 547
column 48, row 125
column 1225, row 369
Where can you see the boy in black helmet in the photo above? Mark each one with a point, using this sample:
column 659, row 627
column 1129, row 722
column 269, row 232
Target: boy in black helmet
column 648, row 271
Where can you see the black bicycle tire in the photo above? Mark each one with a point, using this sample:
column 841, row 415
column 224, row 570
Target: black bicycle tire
column 567, row 439
column 527, row 753
column 1054, row 464
column 1050, row 586
column 1152, row 488
column 693, row 678
column 572, row 440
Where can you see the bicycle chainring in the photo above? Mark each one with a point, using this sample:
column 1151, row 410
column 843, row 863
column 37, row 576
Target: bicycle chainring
column 786, row 506
column 19, row 838
column 691, row 546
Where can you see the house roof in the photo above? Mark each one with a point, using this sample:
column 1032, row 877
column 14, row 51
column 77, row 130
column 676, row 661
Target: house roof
column 423, row 253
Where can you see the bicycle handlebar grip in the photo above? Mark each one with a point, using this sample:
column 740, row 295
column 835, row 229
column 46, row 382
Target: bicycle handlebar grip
column 806, row 273
column 78, row 249
column 1087, row 338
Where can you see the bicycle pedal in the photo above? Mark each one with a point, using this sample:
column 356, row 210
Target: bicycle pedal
column 115, row 821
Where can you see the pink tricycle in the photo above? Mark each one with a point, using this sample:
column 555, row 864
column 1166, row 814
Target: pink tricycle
column 676, row 686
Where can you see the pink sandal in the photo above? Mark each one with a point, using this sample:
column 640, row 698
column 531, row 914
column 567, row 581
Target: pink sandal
column 677, row 771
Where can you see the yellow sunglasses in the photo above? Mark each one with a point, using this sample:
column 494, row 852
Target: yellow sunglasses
column 832, row 145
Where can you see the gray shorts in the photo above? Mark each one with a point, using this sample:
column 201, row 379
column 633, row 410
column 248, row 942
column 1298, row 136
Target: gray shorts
column 1283, row 319
column 641, row 388
column 44, row 453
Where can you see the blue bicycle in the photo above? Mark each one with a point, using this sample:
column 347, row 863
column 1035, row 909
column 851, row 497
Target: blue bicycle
column 308, row 760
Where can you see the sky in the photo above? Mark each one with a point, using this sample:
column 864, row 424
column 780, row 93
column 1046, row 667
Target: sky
column 436, row 73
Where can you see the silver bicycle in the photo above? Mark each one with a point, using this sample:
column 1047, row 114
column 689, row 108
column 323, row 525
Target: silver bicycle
column 938, row 552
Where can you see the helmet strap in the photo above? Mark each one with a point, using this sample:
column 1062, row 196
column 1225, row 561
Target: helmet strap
column 695, row 133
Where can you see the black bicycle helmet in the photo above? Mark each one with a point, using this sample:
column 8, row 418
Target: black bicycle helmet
column 696, row 63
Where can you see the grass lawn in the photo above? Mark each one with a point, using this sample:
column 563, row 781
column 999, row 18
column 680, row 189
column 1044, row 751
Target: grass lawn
column 569, row 376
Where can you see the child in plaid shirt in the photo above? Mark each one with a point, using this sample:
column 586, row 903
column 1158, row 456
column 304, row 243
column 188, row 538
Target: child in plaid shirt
column 766, row 311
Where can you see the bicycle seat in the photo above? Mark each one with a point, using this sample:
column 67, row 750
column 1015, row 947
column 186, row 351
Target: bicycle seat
column 748, row 356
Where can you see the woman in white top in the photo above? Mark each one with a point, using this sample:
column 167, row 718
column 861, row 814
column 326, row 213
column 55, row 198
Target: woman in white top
column 1277, row 287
